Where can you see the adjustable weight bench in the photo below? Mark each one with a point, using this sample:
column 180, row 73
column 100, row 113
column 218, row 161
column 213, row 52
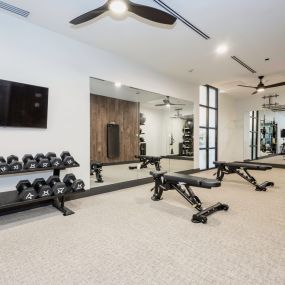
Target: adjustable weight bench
column 241, row 169
column 145, row 160
column 182, row 184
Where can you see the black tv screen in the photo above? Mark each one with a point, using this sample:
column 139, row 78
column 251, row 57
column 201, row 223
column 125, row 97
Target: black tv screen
column 23, row 105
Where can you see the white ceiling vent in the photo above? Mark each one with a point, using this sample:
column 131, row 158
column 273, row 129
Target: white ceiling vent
column 14, row 9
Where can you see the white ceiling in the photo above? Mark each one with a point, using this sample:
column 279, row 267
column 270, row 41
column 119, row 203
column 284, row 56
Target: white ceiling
column 253, row 30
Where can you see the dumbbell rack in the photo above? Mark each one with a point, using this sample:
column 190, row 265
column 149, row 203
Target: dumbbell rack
column 10, row 200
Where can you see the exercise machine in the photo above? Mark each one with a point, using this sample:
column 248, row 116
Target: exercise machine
column 145, row 160
column 241, row 169
column 96, row 168
column 182, row 184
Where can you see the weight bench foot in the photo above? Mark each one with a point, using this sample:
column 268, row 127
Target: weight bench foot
column 201, row 217
column 133, row 167
column 60, row 206
column 155, row 198
column 263, row 186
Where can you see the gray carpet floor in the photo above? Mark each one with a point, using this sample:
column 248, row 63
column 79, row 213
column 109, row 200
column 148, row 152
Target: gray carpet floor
column 125, row 238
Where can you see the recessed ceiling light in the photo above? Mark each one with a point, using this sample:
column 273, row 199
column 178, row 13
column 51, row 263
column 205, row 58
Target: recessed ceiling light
column 118, row 84
column 222, row 49
column 118, row 6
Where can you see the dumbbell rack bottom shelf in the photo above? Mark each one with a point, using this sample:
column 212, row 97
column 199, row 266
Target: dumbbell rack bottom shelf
column 10, row 201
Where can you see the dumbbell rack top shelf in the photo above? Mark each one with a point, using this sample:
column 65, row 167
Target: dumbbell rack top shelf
column 25, row 171
column 10, row 200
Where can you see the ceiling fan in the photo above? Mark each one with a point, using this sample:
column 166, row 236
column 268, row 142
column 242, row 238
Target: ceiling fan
column 177, row 115
column 261, row 87
column 120, row 7
column 167, row 103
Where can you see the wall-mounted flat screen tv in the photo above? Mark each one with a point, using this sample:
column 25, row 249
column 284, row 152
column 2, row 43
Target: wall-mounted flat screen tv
column 23, row 105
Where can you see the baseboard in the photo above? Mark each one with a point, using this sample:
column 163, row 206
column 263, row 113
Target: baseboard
column 282, row 166
column 120, row 162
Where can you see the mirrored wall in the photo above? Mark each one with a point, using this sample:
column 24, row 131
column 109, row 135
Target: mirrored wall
column 264, row 136
column 127, row 123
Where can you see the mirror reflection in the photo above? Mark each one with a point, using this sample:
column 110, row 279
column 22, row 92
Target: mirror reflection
column 264, row 135
column 133, row 131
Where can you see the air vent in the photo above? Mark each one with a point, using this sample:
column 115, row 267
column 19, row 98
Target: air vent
column 243, row 64
column 14, row 9
column 182, row 19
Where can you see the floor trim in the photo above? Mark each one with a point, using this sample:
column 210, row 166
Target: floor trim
column 282, row 166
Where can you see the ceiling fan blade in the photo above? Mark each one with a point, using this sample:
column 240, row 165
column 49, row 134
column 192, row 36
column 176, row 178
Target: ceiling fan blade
column 255, row 92
column 159, row 105
column 152, row 14
column 275, row 85
column 247, row 86
column 90, row 15
column 173, row 104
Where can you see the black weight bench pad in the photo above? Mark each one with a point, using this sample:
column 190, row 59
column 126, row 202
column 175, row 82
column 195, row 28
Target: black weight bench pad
column 157, row 174
column 191, row 180
column 148, row 157
column 248, row 166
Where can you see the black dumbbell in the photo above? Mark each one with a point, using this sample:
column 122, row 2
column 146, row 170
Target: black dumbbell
column 75, row 184
column 54, row 161
column 14, row 163
column 4, row 167
column 42, row 188
column 58, row 187
column 29, row 162
column 26, row 191
column 67, row 159
column 42, row 161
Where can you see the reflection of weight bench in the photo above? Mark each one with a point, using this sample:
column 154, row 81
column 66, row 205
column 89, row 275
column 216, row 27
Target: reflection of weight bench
column 96, row 167
column 181, row 183
column 145, row 160
column 241, row 169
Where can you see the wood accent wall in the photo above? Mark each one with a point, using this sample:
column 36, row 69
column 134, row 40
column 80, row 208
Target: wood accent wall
column 104, row 110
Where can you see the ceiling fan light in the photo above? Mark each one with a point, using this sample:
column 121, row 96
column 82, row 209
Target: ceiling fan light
column 118, row 6
column 167, row 105
column 260, row 89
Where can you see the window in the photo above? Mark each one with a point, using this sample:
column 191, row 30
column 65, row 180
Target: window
column 208, row 132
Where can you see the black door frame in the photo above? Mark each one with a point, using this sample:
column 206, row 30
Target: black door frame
column 207, row 128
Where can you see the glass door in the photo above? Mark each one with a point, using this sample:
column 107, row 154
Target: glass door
column 208, row 131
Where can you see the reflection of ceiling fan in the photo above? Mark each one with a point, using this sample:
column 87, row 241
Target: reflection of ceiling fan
column 261, row 87
column 178, row 115
column 120, row 7
column 167, row 103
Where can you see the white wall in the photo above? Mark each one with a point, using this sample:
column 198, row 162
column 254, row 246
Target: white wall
column 229, row 128
column 34, row 55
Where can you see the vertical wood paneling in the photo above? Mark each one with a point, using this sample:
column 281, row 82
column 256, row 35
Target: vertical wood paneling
column 125, row 113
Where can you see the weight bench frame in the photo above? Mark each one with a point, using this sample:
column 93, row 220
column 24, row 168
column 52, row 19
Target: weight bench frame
column 225, row 169
column 146, row 160
column 184, row 189
column 97, row 171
